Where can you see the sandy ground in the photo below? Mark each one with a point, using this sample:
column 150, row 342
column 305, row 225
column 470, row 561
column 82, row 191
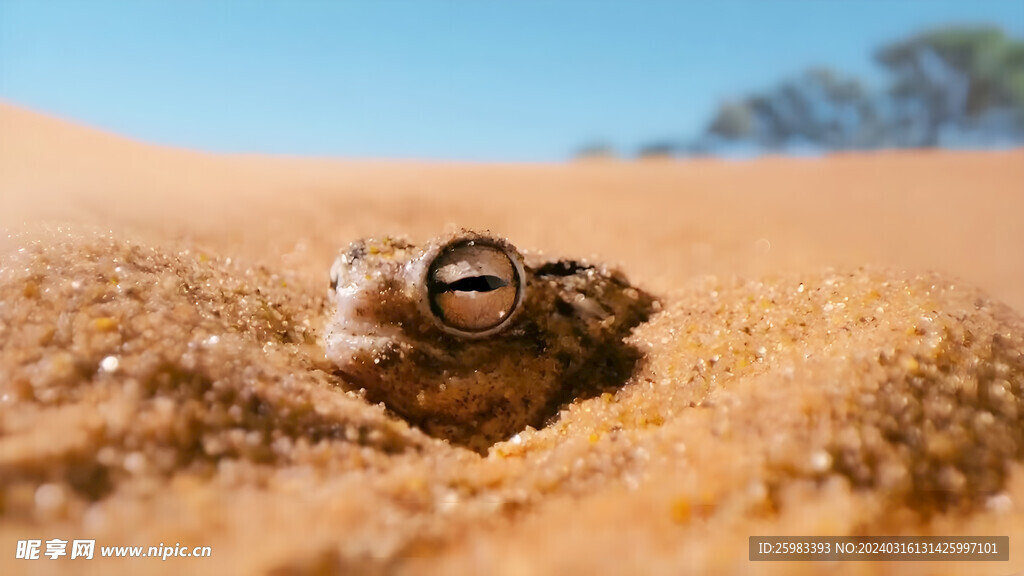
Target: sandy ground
column 841, row 352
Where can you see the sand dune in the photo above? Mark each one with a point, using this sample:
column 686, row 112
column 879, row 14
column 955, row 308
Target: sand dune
column 957, row 213
column 841, row 352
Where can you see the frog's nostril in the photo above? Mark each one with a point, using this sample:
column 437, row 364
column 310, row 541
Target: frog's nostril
column 474, row 285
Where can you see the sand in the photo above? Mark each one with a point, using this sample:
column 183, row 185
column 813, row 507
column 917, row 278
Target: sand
column 841, row 352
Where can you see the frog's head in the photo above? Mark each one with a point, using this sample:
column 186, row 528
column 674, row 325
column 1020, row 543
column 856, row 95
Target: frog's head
column 462, row 339
column 392, row 296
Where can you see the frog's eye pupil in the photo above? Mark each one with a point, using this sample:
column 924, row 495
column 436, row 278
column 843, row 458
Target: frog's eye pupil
column 474, row 287
column 477, row 284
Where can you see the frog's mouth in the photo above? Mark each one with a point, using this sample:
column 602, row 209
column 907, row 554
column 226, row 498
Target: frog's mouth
column 471, row 285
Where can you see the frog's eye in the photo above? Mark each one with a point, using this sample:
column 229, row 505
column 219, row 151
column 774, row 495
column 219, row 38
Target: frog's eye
column 474, row 286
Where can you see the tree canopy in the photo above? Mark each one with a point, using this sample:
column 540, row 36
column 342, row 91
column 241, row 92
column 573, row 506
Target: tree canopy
column 942, row 87
column 954, row 77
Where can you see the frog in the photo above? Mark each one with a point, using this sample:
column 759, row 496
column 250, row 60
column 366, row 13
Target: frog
column 473, row 341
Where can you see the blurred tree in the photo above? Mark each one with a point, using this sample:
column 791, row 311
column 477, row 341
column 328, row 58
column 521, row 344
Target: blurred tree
column 945, row 85
column 662, row 149
column 954, row 77
column 734, row 120
column 819, row 108
column 596, row 150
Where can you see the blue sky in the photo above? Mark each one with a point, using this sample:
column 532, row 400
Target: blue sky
column 462, row 80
